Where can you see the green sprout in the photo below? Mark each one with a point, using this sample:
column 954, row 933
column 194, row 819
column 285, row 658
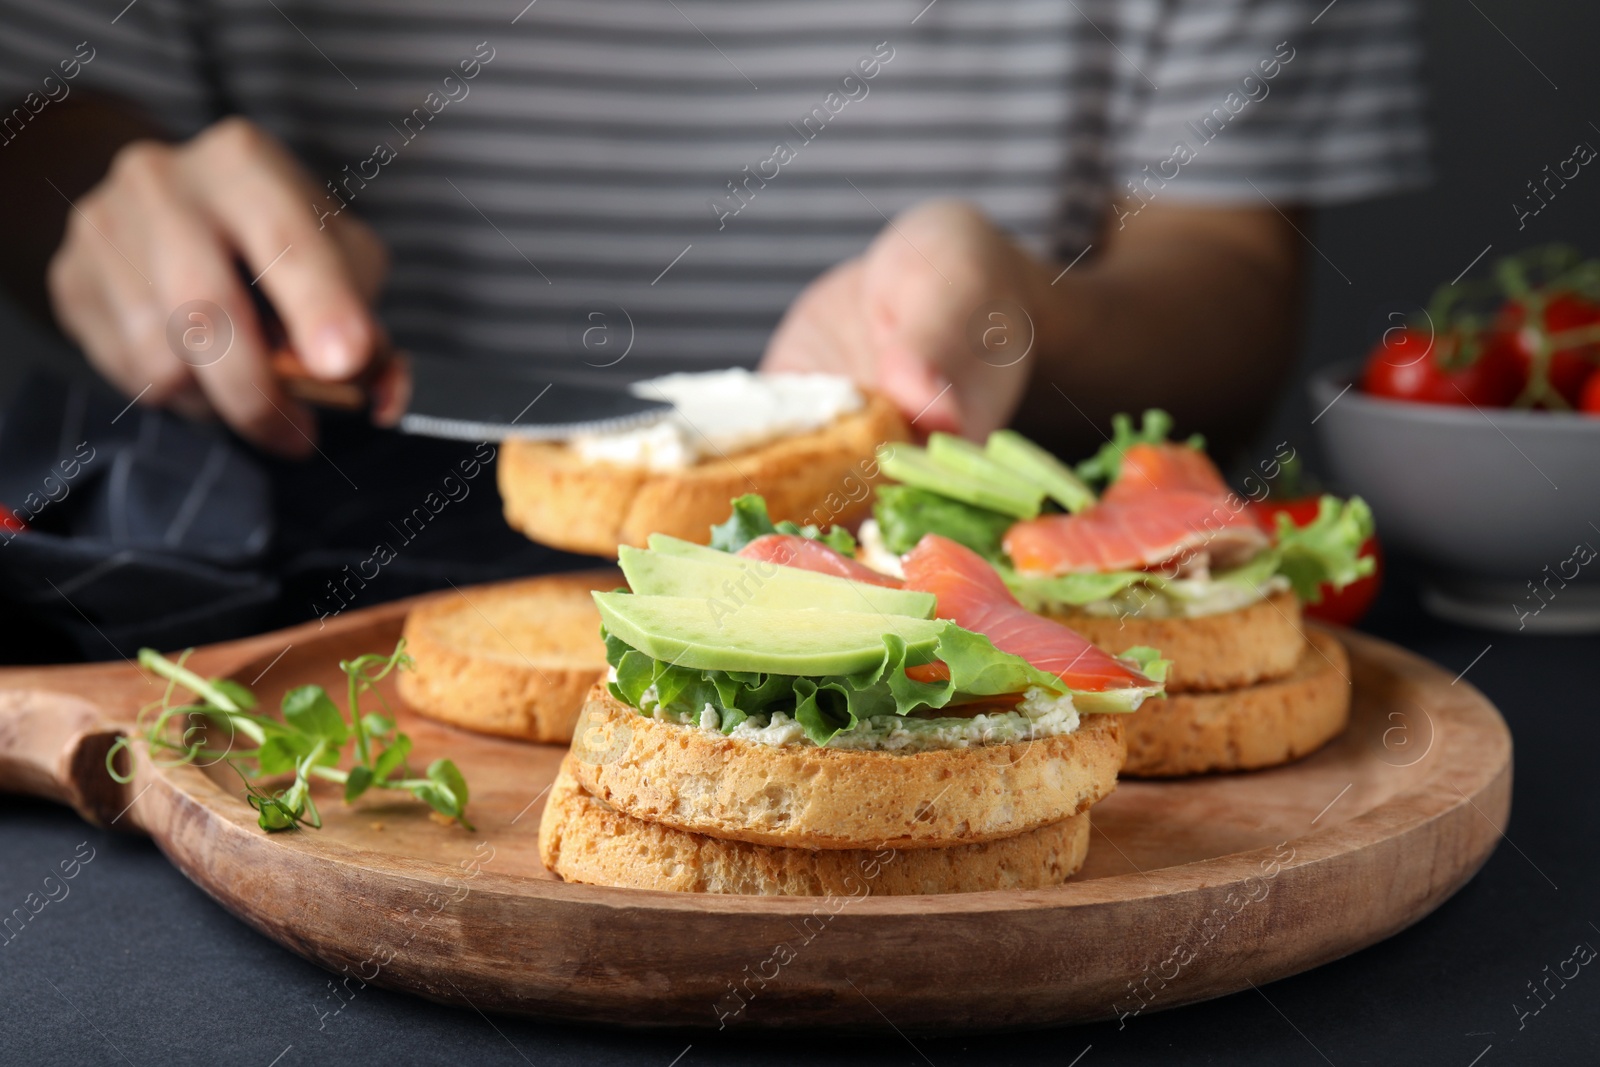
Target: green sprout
column 307, row 741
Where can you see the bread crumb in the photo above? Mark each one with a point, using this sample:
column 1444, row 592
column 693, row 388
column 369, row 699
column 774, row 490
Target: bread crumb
column 377, row 826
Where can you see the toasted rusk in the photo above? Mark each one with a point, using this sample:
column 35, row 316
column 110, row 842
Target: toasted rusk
column 559, row 498
column 513, row 659
column 586, row 840
column 1255, row 726
column 805, row 796
column 1251, row 644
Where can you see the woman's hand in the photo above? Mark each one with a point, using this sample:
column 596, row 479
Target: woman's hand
column 938, row 314
column 166, row 229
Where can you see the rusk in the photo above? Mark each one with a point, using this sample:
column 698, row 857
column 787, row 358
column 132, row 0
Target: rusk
column 803, row 796
column 513, row 660
column 586, row 840
column 555, row 497
column 1252, row 644
column 1257, row 726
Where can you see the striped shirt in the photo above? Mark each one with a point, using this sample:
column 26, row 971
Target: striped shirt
column 682, row 168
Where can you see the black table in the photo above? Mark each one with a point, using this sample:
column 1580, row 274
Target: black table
column 137, row 966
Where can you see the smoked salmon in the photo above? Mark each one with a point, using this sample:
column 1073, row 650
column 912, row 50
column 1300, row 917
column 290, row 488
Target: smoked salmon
column 1165, row 468
column 1168, row 505
column 791, row 550
column 971, row 594
column 1146, row 530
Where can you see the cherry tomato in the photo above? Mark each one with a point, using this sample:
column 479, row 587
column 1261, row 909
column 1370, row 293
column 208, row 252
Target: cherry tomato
column 1342, row 607
column 1589, row 399
column 1569, row 368
column 1407, row 365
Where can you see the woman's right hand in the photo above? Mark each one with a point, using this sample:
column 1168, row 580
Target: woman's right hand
column 146, row 279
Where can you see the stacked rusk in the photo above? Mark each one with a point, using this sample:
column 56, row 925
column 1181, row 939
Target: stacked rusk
column 1163, row 555
column 781, row 720
column 1249, row 687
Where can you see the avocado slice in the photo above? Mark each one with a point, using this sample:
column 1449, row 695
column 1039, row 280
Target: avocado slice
column 964, row 457
column 736, row 581
column 1040, row 468
column 914, row 467
column 708, row 633
column 667, row 545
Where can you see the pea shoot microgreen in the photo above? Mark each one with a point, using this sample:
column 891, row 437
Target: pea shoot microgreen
column 308, row 741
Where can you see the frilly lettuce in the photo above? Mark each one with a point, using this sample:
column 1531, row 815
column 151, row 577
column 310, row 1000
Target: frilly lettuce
column 1325, row 549
column 1119, row 701
column 824, row 706
column 1103, row 467
column 749, row 520
column 1040, row 593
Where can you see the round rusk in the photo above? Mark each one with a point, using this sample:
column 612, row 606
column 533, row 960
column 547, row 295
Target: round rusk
column 1256, row 726
column 557, row 497
column 805, row 796
column 514, row 660
column 1255, row 643
column 586, row 840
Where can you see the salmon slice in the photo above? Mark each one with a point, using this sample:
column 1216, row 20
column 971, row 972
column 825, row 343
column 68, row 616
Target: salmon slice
column 791, row 550
column 1165, row 467
column 972, row 595
column 1139, row 531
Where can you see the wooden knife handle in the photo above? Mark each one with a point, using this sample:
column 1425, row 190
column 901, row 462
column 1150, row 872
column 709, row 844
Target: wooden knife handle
column 298, row 382
column 54, row 745
column 382, row 388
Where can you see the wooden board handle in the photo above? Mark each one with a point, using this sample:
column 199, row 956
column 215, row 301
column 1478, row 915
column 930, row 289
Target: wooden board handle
column 54, row 745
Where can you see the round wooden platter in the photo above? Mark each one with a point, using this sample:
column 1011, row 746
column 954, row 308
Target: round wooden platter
column 1192, row 889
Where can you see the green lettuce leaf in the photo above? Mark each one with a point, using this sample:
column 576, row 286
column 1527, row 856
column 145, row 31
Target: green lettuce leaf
column 1121, row 701
column 837, row 538
column 1149, row 663
column 1223, row 591
column 1039, row 593
column 1103, row 467
column 749, row 520
column 905, row 514
column 823, row 706
column 1325, row 549
column 1248, row 577
column 977, row 668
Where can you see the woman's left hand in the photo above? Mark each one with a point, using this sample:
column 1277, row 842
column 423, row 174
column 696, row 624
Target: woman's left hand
column 938, row 314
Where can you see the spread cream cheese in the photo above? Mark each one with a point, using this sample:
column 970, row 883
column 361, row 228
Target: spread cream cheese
column 722, row 412
column 1040, row 714
column 1181, row 598
column 874, row 553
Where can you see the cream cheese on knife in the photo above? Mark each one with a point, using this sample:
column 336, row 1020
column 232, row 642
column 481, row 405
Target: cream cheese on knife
column 720, row 413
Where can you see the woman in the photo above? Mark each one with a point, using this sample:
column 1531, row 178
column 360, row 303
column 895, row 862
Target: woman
column 1021, row 208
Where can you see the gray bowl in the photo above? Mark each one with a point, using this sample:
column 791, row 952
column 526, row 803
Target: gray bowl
column 1503, row 505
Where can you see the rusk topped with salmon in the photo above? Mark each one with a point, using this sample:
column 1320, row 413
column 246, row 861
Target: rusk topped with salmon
column 1142, row 543
column 761, row 694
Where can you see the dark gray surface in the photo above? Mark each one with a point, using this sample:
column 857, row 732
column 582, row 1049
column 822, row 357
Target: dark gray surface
column 137, row 966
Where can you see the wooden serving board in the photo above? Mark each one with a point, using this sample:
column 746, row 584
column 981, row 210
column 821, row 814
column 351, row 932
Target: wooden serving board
column 1192, row 889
